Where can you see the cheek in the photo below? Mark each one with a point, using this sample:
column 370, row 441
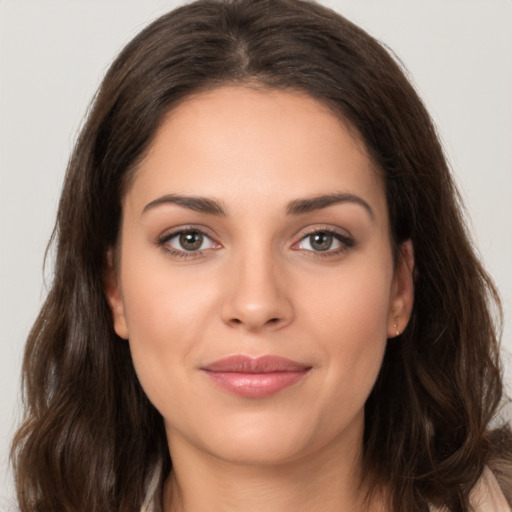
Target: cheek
column 166, row 314
column 348, row 317
column 354, row 300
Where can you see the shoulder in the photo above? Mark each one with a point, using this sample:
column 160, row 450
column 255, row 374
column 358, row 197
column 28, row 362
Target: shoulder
column 486, row 496
column 500, row 460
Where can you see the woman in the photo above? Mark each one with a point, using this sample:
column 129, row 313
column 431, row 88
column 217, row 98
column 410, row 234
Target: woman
column 264, row 295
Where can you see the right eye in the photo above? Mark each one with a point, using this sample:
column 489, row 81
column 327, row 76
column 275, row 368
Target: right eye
column 187, row 241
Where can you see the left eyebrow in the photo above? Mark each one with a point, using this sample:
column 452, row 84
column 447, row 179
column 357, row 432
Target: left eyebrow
column 300, row 206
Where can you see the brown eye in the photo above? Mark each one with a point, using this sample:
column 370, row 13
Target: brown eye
column 191, row 240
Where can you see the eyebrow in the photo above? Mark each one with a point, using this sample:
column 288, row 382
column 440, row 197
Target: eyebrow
column 301, row 206
column 295, row 207
column 197, row 204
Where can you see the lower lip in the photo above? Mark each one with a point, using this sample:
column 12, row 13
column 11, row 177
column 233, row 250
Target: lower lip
column 255, row 385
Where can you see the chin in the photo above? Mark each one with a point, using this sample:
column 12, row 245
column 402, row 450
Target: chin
column 249, row 439
column 280, row 440
column 262, row 450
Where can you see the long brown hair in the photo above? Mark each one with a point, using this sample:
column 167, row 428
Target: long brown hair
column 90, row 438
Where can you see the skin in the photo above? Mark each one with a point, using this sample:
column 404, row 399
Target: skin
column 259, row 286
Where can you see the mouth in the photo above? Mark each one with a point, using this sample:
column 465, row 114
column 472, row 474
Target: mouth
column 255, row 377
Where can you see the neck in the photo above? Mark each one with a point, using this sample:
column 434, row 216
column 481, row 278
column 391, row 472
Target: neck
column 328, row 480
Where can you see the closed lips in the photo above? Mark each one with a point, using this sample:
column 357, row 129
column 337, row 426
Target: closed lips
column 255, row 377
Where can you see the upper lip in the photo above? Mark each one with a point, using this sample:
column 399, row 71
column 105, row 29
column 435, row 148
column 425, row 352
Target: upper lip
column 263, row 364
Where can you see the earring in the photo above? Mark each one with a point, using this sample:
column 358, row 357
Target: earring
column 395, row 325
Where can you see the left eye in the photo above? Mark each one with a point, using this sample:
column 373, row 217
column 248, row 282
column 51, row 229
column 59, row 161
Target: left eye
column 322, row 241
column 190, row 241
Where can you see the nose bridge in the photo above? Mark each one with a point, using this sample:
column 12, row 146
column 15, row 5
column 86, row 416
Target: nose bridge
column 258, row 297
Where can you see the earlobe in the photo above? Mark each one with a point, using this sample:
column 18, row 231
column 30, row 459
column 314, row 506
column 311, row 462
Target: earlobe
column 402, row 299
column 114, row 296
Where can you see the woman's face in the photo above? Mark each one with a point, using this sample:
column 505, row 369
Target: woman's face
column 257, row 226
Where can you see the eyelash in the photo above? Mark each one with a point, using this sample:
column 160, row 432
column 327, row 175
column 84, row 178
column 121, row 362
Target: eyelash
column 346, row 242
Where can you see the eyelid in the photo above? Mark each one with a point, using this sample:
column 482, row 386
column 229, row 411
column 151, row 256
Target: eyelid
column 323, row 228
column 169, row 232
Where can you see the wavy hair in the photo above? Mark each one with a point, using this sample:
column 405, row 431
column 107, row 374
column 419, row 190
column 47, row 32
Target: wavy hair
column 90, row 438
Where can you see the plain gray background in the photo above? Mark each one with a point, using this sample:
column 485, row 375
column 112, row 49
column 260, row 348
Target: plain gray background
column 54, row 53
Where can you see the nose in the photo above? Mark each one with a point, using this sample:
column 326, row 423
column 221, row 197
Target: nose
column 258, row 297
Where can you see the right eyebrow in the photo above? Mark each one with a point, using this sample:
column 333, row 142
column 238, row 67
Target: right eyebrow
column 195, row 203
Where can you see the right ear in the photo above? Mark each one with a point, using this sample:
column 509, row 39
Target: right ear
column 115, row 296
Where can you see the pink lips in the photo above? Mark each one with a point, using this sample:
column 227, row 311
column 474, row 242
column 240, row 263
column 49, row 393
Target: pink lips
column 255, row 378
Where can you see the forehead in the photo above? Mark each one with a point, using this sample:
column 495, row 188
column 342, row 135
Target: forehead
column 243, row 144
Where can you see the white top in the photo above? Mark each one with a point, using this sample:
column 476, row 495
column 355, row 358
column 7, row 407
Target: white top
column 486, row 496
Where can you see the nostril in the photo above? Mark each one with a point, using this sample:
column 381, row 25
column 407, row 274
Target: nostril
column 270, row 321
